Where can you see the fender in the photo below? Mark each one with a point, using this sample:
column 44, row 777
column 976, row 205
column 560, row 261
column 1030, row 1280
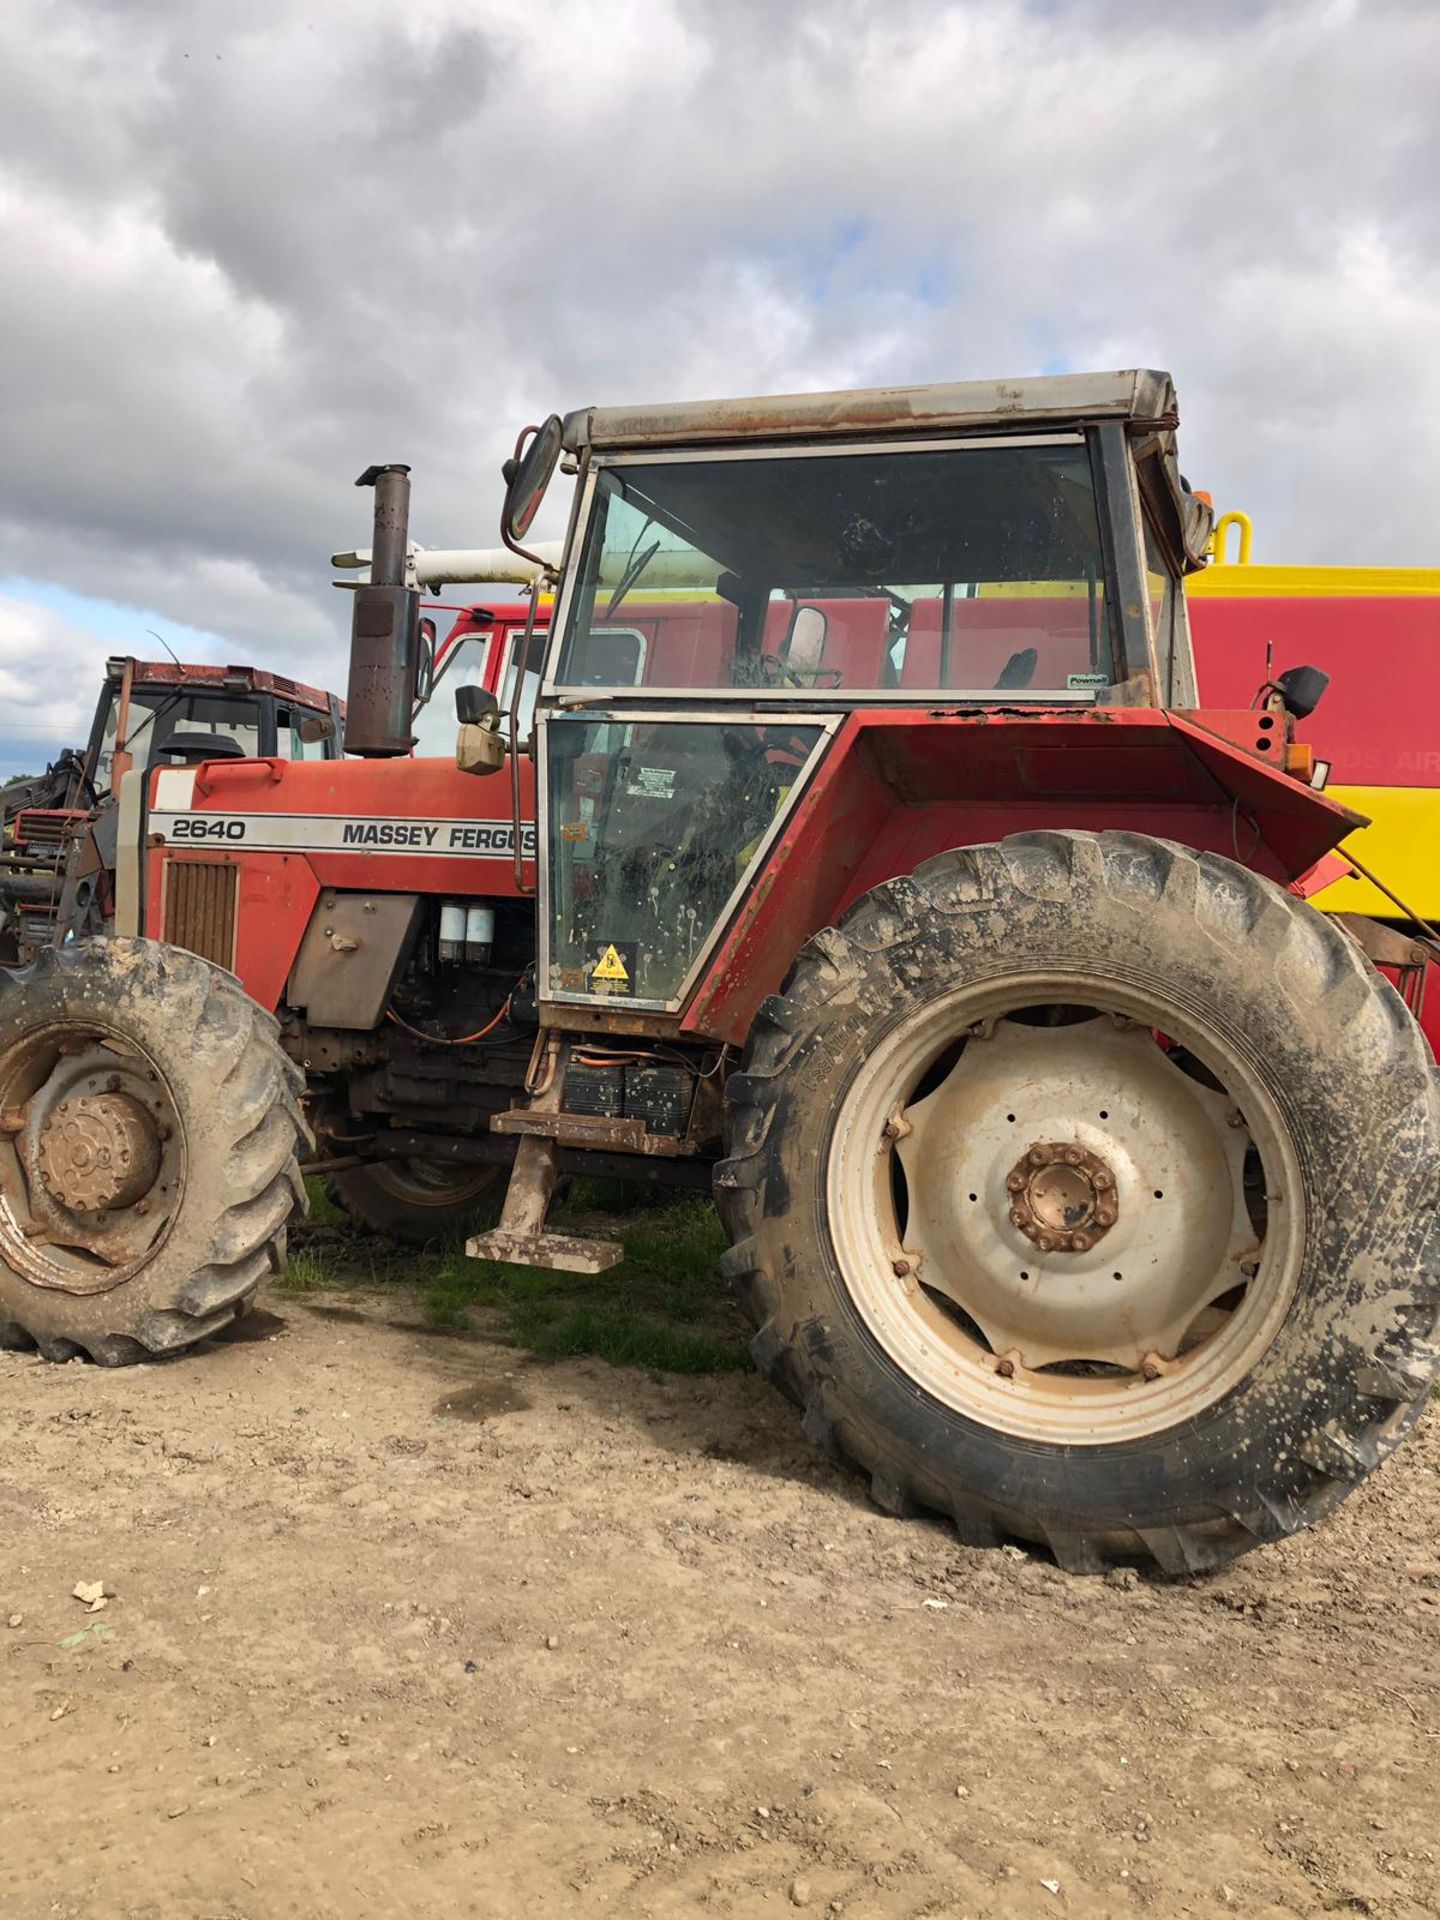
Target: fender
column 897, row 787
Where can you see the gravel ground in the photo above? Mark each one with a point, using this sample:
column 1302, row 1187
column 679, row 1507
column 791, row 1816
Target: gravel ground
column 405, row 1623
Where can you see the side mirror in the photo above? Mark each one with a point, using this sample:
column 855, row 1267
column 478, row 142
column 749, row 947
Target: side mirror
column 475, row 705
column 316, row 727
column 805, row 644
column 425, row 661
column 1300, row 690
column 527, row 475
column 480, row 745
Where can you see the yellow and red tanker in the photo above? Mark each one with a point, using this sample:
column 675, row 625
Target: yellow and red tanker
column 1376, row 632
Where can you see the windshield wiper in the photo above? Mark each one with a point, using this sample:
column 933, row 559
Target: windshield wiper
column 638, row 564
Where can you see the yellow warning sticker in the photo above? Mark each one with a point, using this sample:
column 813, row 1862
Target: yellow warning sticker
column 610, row 966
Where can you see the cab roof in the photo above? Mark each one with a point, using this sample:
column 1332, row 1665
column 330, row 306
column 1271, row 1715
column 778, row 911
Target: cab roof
column 212, row 679
column 1143, row 398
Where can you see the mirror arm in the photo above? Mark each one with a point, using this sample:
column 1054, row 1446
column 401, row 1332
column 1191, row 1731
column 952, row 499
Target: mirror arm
column 522, row 662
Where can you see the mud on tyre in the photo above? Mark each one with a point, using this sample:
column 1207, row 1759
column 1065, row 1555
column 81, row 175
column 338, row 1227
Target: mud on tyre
column 149, row 1131
column 1084, row 1188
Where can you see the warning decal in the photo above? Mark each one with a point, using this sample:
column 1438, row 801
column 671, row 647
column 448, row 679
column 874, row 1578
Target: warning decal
column 612, row 968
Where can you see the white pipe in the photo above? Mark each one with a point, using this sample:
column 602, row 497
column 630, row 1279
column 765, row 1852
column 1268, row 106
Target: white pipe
column 431, row 567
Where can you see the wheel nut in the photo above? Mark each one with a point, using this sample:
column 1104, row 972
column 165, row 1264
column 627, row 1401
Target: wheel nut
column 1017, row 1216
column 1015, row 1182
column 1038, row 1156
column 1005, row 1369
column 1152, row 1366
column 1102, row 1178
column 900, row 1268
column 1080, row 1242
column 1046, row 1243
column 1106, row 1216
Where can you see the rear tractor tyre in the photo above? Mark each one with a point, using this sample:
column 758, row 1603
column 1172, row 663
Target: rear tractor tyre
column 149, row 1136
column 1084, row 1188
column 417, row 1201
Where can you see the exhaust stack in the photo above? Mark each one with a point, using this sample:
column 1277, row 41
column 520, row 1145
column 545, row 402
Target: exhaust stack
column 385, row 631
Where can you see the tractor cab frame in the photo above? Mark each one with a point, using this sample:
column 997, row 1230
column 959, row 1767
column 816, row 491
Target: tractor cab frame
column 765, row 607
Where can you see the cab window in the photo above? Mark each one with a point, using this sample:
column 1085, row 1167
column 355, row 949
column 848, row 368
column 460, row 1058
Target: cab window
column 434, row 723
column 155, row 714
column 290, row 741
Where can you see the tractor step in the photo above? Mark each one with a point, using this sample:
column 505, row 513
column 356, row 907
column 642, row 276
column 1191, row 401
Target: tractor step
column 565, row 1252
column 521, row 1238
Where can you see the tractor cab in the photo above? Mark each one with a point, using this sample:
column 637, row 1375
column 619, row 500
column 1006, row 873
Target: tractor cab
column 157, row 712
column 69, row 846
column 740, row 577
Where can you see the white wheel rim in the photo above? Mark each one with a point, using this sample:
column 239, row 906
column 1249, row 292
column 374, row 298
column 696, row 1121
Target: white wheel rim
column 1168, row 1297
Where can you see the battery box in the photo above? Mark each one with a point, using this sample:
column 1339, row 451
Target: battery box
column 597, row 1090
column 658, row 1095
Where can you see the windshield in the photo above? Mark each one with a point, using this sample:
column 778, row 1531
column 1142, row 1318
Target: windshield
column 963, row 568
column 156, row 713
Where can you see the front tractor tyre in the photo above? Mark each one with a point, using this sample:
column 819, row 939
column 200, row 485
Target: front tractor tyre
column 149, row 1132
column 418, row 1202
column 1084, row 1188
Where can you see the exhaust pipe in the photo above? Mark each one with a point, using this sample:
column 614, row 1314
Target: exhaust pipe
column 385, row 631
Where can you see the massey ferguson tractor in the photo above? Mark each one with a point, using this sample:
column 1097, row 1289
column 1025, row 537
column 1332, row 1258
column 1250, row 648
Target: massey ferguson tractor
column 885, row 875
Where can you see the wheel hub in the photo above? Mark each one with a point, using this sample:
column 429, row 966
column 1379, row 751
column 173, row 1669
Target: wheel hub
column 1062, row 1197
column 98, row 1152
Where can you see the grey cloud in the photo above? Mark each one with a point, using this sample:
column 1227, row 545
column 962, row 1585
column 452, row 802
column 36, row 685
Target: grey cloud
column 241, row 255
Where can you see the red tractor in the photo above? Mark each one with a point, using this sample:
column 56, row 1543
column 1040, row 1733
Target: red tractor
column 1080, row 1177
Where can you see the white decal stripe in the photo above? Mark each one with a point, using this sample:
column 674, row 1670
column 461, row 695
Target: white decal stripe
column 337, row 833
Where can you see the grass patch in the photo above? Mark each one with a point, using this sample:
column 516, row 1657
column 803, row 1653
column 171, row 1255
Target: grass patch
column 323, row 1210
column 664, row 1307
column 307, row 1271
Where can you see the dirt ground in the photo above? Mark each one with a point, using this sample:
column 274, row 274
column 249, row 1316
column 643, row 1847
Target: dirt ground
column 405, row 1623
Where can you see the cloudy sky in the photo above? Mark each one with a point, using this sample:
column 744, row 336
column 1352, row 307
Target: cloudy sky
column 245, row 252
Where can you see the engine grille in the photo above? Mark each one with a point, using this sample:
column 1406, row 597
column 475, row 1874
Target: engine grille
column 200, row 897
